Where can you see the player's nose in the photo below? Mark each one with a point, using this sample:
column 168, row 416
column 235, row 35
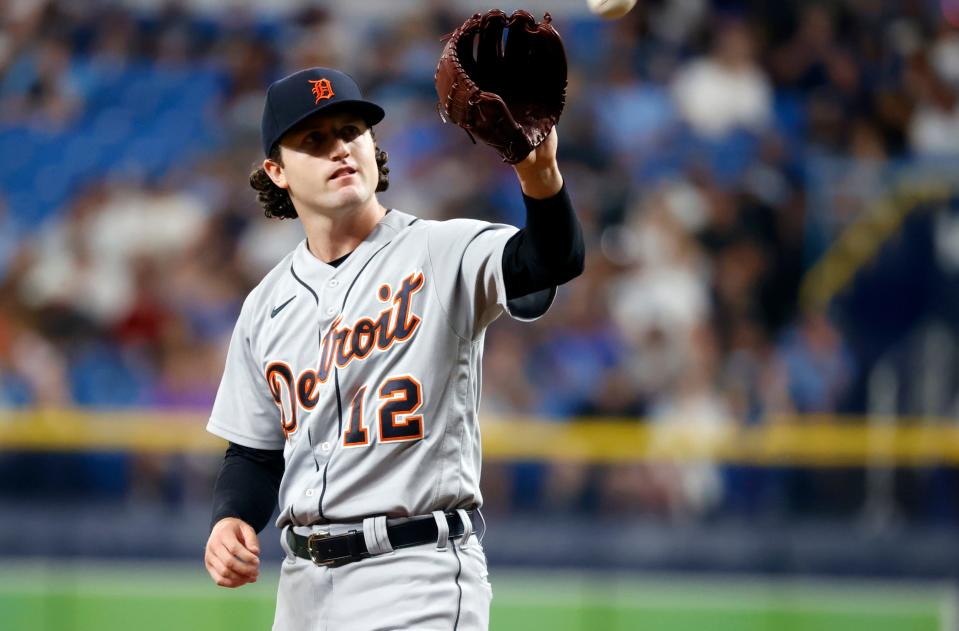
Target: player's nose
column 340, row 149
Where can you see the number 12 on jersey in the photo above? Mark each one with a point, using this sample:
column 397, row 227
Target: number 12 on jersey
column 400, row 398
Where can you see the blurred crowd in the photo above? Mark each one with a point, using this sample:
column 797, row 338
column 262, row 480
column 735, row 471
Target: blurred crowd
column 685, row 145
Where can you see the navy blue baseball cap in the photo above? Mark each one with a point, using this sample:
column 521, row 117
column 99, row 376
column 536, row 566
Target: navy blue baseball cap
column 304, row 93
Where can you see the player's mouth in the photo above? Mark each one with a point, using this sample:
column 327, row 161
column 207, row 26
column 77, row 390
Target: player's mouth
column 342, row 172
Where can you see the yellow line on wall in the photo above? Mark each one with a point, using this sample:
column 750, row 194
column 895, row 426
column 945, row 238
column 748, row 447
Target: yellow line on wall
column 808, row 441
column 101, row 430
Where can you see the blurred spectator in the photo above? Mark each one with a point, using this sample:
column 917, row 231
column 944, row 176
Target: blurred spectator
column 9, row 238
column 642, row 114
column 86, row 263
column 934, row 126
column 577, row 351
column 189, row 370
column 818, row 364
column 39, row 88
column 32, row 370
column 662, row 299
column 802, row 62
column 727, row 89
column 694, row 413
column 944, row 55
column 753, row 377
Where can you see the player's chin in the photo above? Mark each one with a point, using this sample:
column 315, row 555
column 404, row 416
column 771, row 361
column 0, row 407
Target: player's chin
column 350, row 194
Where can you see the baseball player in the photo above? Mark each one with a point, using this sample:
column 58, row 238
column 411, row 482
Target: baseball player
column 352, row 383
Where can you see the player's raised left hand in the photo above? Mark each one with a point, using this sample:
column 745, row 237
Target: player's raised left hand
column 538, row 172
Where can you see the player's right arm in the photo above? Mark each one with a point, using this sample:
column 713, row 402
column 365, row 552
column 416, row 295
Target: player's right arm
column 245, row 495
column 243, row 501
column 232, row 553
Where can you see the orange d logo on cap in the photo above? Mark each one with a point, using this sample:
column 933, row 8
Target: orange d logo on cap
column 322, row 89
column 288, row 101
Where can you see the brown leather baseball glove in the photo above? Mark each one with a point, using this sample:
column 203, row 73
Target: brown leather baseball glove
column 503, row 79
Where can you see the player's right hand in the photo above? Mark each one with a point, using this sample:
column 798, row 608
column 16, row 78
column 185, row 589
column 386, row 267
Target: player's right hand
column 232, row 553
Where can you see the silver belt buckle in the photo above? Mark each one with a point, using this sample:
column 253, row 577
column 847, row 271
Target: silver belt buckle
column 314, row 554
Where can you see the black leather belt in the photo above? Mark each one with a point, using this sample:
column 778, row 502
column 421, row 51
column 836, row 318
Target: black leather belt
column 333, row 551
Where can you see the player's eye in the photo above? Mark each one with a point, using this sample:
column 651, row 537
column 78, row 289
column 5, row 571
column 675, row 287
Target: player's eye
column 314, row 138
column 349, row 133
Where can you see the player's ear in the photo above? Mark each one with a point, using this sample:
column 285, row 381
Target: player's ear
column 274, row 171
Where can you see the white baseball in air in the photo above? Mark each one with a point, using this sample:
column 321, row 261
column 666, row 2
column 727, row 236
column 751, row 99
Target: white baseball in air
column 611, row 9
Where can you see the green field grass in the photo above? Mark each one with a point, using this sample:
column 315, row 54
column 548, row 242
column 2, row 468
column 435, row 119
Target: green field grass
column 147, row 597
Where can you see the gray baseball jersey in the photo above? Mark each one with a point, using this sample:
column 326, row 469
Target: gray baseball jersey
column 367, row 375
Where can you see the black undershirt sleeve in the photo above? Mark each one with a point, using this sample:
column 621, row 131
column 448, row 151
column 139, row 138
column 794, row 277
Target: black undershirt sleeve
column 247, row 485
column 549, row 251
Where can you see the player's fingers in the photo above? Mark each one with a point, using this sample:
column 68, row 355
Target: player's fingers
column 237, row 549
column 229, row 537
column 230, row 561
column 240, row 540
column 249, row 538
column 222, row 575
column 236, row 568
column 219, row 565
column 226, row 577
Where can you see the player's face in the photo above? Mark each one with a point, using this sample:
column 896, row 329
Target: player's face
column 329, row 163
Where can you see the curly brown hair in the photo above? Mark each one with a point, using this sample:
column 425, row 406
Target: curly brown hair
column 276, row 201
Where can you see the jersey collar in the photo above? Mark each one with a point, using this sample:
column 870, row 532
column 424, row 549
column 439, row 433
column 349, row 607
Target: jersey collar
column 316, row 273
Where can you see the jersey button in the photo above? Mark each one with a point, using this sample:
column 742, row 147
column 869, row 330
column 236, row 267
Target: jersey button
column 309, row 492
column 331, row 311
column 335, row 282
column 325, row 446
